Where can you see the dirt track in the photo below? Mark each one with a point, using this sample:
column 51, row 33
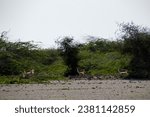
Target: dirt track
column 78, row 89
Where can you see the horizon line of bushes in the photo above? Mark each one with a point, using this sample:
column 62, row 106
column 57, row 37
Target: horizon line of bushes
column 98, row 56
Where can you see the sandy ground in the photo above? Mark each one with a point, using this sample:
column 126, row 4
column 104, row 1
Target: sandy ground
column 78, row 90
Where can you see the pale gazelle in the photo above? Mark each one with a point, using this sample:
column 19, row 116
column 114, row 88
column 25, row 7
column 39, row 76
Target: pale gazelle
column 123, row 71
column 28, row 73
column 81, row 73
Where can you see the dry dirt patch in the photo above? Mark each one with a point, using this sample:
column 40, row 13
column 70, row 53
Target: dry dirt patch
column 78, row 89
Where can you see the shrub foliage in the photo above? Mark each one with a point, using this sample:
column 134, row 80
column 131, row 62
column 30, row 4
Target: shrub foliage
column 69, row 52
column 97, row 56
column 137, row 43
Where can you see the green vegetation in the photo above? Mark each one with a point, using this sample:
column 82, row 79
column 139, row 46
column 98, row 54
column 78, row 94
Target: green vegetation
column 137, row 44
column 97, row 57
column 69, row 52
column 103, row 57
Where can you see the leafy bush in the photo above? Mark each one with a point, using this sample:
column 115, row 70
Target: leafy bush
column 102, row 45
column 98, row 63
column 137, row 43
column 69, row 52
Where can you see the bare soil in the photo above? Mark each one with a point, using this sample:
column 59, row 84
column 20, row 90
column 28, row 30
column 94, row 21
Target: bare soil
column 78, row 90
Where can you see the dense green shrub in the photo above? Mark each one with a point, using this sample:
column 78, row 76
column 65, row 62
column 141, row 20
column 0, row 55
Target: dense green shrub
column 102, row 63
column 137, row 43
column 15, row 57
column 69, row 52
column 102, row 45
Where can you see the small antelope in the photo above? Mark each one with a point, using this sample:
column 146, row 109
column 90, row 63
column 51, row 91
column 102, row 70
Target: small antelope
column 81, row 73
column 28, row 73
column 123, row 71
